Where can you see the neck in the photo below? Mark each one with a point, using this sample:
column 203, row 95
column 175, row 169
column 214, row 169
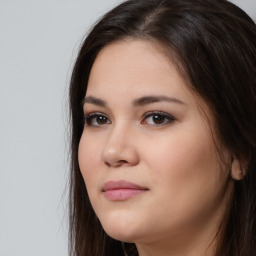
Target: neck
column 202, row 246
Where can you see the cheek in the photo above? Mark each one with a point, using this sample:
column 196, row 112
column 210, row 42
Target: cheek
column 89, row 163
column 181, row 151
column 186, row 178
column 87, row 158
column 184, row 165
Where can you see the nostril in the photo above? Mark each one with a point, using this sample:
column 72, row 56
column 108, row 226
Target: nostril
column 116, row 164
column 107, row 164
column 122, row 162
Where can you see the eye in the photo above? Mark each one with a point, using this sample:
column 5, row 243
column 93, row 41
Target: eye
column 157, row 118
column 96, row 119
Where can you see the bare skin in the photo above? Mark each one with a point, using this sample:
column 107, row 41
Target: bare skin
column 143, row 126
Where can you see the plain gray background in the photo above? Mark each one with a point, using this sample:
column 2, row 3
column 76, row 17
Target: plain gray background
column 38, row 44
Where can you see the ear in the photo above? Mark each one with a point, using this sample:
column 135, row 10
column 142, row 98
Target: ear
column 237, row 172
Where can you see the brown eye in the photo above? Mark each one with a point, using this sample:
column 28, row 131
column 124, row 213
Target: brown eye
column 96, row 119
column 101, row 120
column 157, row 118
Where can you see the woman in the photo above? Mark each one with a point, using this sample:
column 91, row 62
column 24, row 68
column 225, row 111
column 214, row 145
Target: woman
column 162, row 101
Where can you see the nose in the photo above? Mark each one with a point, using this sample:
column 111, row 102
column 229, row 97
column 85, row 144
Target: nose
column 120, row 148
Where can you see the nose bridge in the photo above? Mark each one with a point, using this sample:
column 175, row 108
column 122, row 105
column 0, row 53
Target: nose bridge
column 119, row 147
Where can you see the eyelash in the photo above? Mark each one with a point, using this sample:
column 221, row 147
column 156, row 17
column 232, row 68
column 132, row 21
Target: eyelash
column 90, row 118
column 167, row 117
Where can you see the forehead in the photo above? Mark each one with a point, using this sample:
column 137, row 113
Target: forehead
column 133, row 63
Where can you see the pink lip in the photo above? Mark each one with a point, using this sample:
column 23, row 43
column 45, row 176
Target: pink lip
column 121, row 190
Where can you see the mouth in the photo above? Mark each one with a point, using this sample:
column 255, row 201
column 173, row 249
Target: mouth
column 122, row 190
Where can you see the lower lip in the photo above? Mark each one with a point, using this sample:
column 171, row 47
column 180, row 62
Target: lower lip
column 122, row 194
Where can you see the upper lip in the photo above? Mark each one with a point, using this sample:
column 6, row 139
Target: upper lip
column 121, row 184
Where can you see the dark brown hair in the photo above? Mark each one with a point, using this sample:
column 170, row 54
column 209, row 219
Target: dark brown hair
column 214, row 42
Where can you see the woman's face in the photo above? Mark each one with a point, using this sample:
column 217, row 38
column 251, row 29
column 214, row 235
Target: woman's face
column 147, row 154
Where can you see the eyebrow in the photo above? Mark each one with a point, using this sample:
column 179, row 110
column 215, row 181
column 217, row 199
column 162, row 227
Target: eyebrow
column 153, row 99
column 142, row 101
column 95, row 101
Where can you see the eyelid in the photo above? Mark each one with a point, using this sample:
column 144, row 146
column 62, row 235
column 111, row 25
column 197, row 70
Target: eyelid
column 169, row 117
column 88, row 117
column 93, row 114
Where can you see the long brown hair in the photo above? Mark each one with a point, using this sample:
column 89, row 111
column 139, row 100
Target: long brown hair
column 213, row 41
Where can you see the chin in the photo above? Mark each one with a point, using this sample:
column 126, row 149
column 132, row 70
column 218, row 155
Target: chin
column 121, row 236
column 123, row 229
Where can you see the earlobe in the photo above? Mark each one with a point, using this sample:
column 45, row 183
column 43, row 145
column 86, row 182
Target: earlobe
column 237, row 171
